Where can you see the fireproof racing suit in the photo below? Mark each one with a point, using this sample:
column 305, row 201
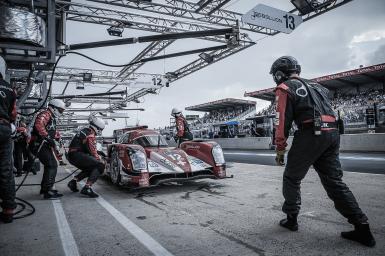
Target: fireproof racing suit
column 299, row 103
column 82, row 153
column 7, row 116
column 183, row 131
column 44, row 130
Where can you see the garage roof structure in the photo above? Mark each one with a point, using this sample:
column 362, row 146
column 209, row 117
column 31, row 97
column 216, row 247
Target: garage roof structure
column 221, row 104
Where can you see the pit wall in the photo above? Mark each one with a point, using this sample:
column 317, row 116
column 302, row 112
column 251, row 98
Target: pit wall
column 349, row 142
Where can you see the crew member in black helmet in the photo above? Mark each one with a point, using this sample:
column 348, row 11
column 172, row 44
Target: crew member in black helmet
column 316, row 142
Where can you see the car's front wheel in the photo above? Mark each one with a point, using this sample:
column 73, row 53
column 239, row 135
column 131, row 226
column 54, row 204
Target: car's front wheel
column 115, row 168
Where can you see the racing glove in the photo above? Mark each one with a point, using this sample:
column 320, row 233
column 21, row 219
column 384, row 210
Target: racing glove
column 280, row 157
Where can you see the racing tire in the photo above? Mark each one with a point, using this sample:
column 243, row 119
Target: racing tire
column 115, row 168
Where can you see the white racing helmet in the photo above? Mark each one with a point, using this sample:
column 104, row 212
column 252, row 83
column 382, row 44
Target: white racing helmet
column 97, row 123
column 57, row 106
column 175, row 112
column 3, row 67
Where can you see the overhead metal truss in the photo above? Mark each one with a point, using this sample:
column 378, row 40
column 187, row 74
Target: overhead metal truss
column 111, row 17
column 200, row 63
column 150, row 51
column 190, row 10
column 210, row 6
column 209, row 14
column 64, row 74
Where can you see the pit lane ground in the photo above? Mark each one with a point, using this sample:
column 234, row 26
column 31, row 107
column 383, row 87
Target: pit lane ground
column 236, row 216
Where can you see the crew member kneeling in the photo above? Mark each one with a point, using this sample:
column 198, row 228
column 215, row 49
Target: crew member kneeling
column 316, row 143
column 82, row 154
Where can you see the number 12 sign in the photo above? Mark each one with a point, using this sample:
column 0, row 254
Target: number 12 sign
column 272, row 18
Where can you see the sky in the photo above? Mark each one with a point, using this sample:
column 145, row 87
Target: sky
column 341, row 39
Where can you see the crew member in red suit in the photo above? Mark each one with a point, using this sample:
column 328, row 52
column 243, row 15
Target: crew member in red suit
column 44, row 131
column 316, row 143
column 182, row 130
column 82, row 153
column 7, row 117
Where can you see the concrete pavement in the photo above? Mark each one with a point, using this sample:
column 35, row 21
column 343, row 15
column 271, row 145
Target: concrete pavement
column 208, row 217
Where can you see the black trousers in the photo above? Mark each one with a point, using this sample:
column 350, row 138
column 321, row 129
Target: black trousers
column 7, row 181
column 90, row 167
column 47, row 158
column 323, row 153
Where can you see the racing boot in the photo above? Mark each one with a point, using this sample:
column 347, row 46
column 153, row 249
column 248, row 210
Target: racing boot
column 73, row 186
column 290, row 222
column 42, row 191
column 52, row 195
column 86, row 190
column 361, row 234
column 6, row 215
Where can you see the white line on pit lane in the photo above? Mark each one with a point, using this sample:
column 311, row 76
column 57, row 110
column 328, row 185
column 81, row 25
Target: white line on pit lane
column 144, row 238
column 136, row 231
column 359, row 158
column 67, row 239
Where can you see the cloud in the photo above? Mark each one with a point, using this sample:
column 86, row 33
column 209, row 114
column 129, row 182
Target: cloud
column 368, row 36
column 378, row 56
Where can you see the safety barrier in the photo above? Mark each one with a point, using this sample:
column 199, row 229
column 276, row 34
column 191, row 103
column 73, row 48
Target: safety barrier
column 349, row 142
column 369, row 142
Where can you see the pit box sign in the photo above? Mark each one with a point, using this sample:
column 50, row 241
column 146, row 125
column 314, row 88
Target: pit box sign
column 149, row 82
column 272, row 18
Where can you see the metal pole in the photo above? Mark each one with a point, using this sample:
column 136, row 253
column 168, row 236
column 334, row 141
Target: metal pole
column 172, row 55
column 122, row 92
column 63, row 33
column 152, row 38
column 101, row 109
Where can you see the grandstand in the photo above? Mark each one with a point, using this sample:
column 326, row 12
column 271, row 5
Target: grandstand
column 358, row 97
column 222, row 118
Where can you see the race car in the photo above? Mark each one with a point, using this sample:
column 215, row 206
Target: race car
column 141, row 157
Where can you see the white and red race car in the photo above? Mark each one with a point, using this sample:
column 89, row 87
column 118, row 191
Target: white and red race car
column 141, row 157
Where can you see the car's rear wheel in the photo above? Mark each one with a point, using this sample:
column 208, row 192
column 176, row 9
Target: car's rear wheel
column 115, row 168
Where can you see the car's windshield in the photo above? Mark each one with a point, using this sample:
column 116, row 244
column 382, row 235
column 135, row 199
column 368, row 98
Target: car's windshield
column 152, row 141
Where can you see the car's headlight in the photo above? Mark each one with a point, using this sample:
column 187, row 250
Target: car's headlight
column 218, row 155
column 138, row 159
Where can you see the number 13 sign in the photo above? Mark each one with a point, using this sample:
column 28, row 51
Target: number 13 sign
column 272, row 18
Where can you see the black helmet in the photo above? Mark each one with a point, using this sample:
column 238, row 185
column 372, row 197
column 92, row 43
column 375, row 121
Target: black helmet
column 283, row 67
